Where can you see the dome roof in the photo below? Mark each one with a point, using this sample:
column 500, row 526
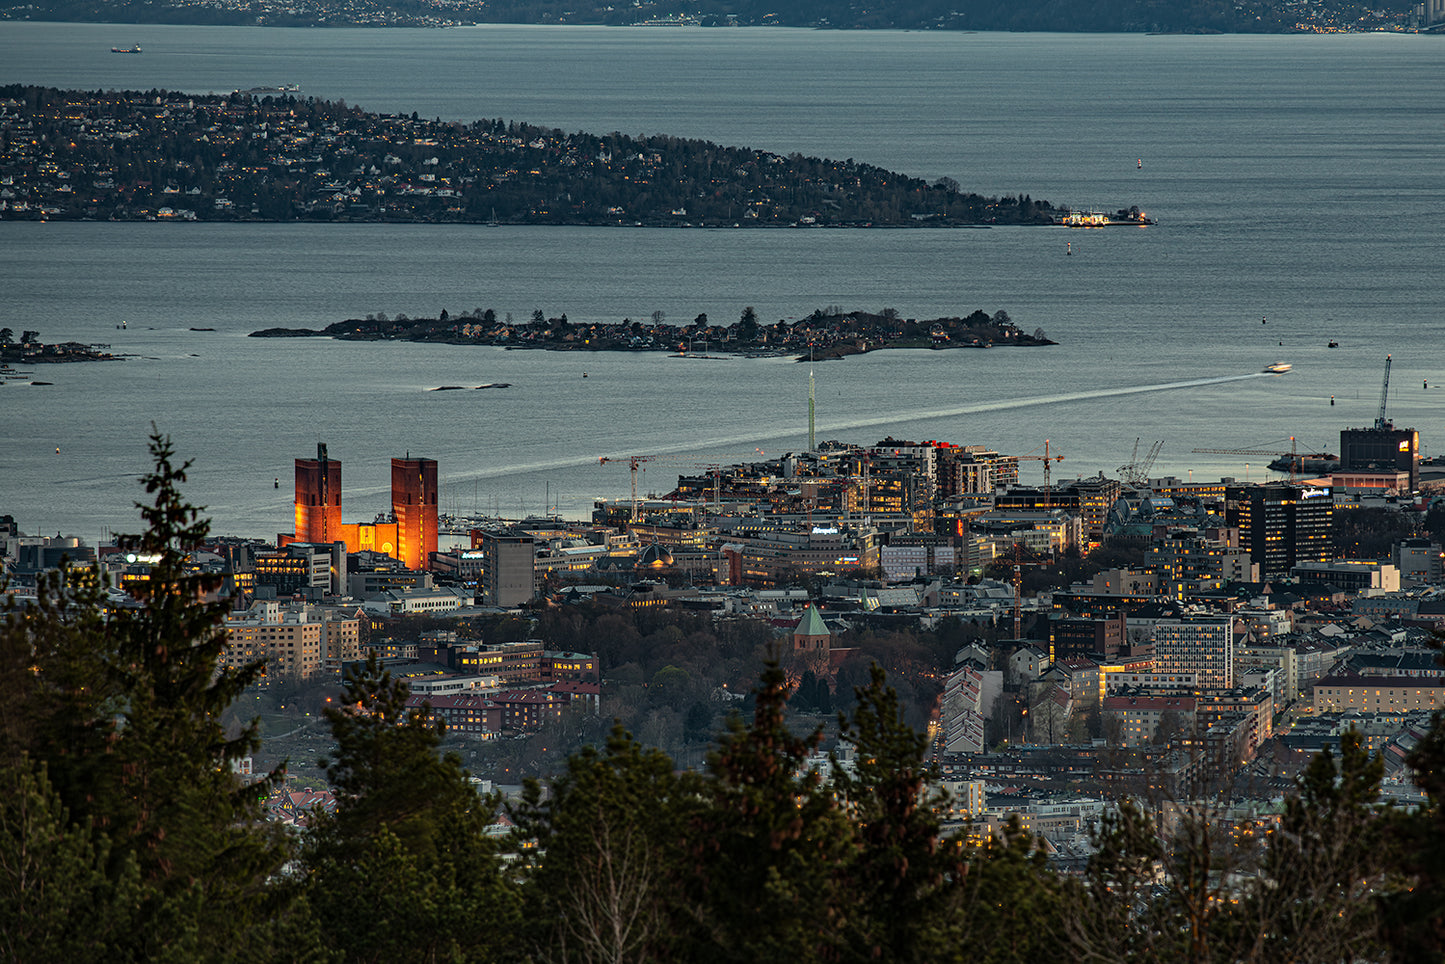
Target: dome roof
column 655, row 557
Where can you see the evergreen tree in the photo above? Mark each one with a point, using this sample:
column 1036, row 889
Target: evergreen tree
column 403, row 870
column 1414, row 917
column 1011, row 907
column 124, row 745
column 904, row 877
column 769, row 848
column 1325, row 866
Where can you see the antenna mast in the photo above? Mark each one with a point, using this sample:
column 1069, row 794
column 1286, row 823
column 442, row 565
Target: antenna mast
column 812, row 447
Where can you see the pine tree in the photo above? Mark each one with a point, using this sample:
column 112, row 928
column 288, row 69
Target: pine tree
column 905, row 877
column 770, row 847
column 125, row 740
column 403, row 870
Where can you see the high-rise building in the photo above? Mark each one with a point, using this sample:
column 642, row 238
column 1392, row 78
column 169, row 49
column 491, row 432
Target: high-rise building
column 1281, row 525
column 1202, row 646
column 318, row 498
column 414, row 504
column 509, row 573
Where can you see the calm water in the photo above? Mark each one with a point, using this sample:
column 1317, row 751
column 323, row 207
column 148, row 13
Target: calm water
column 1294, row 178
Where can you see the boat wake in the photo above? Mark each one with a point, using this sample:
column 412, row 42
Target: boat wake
column 1006, row 404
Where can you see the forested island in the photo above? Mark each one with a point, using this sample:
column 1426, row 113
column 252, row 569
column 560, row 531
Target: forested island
column 1187, row 16
column 167, row 156
column 827, row 333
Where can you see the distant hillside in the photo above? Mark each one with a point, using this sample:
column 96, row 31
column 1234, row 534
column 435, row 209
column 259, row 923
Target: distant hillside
column 1181, row 16
column 174, row 156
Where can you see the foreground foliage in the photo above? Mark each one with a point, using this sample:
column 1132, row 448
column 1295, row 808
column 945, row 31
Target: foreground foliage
column 126, row 835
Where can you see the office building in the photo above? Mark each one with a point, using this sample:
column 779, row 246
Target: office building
column 414, row 505
column 318, row 498
column 509, row 568
column 1281, row 526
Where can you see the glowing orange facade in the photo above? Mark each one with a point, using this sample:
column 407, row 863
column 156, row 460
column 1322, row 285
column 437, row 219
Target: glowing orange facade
column 318, row 498
column 414, row 505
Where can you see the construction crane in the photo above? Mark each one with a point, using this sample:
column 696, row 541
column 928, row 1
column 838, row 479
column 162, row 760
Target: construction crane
column 1136, row 472
column 635, row 462
column 1292, row 454
column 1046, row 458
column 1381, row 423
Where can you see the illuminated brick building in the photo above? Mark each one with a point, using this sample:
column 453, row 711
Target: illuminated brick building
column 414, row 504
column 411, row 537
column 318, row 498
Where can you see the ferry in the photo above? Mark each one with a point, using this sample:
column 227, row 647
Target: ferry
column 1097, row 219
column 1278, row 368
column 132, row 49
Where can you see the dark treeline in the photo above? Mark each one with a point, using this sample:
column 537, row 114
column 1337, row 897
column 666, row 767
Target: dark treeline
column 1195, row 16
column 125, row 834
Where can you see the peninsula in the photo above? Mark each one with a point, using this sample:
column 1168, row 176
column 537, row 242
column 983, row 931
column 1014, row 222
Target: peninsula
column 1185, row 16
column 826, row 333
column 166, row 156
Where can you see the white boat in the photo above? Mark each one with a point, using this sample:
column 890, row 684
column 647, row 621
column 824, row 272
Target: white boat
column 1278, row 368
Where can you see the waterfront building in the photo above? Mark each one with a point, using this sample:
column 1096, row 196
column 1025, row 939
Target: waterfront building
column 1381, row 449
column 318, row 498
column 414, row 506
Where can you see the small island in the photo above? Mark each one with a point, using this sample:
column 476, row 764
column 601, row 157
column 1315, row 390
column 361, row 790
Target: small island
column 827, row 333
column 30, row 350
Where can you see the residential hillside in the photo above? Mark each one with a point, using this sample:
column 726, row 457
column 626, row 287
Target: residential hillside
column 1187, row 16
column 281, row 157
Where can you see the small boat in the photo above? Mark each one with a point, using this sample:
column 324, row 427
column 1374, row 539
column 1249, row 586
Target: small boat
column 132, row 49
column 1068, row 247
column 1141, row 163
column 1278, row 368
column 1333, row 344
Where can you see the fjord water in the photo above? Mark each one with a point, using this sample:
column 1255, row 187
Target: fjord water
column 1294, row 178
